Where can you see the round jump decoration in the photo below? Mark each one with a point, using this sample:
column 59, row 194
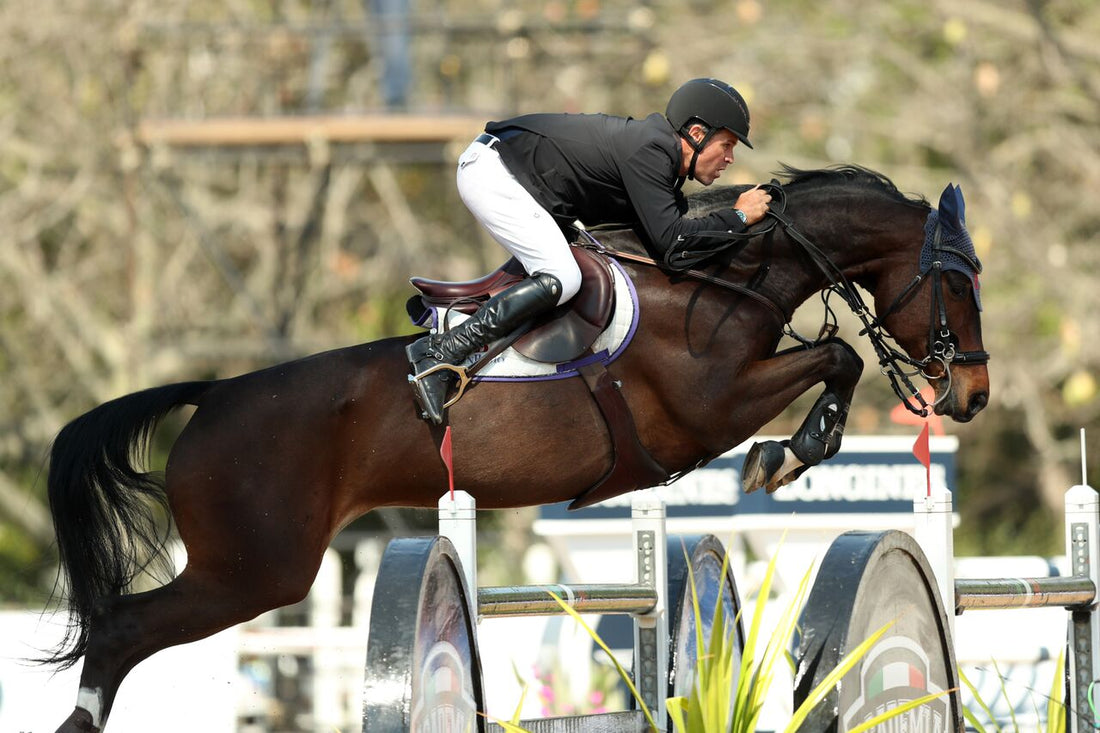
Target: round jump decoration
column 423, row 671
column 868, row 580
column 706, row 556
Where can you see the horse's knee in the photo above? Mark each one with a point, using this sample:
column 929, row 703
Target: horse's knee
column 846, row 356
column 840, row 362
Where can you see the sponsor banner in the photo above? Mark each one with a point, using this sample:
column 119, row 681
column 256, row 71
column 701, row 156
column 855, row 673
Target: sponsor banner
column 873, row 474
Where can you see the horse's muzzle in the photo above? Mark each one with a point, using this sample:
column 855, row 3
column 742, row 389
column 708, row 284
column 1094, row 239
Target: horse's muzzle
column 975, row 403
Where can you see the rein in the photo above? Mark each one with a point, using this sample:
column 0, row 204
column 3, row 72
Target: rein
column 941, row 340
column 779, row 313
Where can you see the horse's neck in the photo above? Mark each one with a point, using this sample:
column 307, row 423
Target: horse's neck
column 860, row 237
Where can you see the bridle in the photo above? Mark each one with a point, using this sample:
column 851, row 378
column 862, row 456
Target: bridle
column 942, row 341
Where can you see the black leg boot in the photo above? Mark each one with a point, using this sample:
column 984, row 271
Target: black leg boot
column 820, row 434
column 434, row 357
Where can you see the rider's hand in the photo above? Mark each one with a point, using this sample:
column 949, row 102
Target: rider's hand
column 754, row 203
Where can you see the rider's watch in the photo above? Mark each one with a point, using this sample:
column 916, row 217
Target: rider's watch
column 740, row 215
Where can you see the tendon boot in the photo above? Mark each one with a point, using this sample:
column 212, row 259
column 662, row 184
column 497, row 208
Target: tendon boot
column 435, row 357
column 819, row 436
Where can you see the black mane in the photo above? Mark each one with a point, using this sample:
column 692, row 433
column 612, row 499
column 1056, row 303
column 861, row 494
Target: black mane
column 796, row 178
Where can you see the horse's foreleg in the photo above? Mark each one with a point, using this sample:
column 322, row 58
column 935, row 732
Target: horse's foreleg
column 773, row 464
column 128, row 629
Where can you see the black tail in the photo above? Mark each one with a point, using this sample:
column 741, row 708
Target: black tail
column 105, row 525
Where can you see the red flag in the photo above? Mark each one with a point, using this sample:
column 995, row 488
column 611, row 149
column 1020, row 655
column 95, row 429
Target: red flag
column 924, row 455
column 902, row 416
column 448, row 460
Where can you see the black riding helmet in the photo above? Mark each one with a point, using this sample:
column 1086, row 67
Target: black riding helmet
column 713, row 103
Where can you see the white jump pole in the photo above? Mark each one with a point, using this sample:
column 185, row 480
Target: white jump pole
column 647, row 512
column 458, row 523
column 1082, row 522
column 934, row 532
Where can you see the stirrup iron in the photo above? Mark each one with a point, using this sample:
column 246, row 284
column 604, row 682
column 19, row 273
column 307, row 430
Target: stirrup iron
column 459, row 371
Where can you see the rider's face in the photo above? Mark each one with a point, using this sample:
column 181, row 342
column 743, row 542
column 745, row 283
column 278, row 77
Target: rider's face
column 714, row 157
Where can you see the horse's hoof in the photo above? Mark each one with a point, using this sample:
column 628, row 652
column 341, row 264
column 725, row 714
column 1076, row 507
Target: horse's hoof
column 762, row 462
column 79, row 721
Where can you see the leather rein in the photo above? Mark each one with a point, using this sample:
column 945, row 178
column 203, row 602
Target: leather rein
column 942, row 341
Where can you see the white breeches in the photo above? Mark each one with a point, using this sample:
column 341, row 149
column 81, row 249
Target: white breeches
column 514, row 219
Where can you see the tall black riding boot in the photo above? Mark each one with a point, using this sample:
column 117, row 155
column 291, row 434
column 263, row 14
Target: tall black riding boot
column 433, row 357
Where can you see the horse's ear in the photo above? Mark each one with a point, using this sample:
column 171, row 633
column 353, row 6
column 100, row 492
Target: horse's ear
column 952, row 207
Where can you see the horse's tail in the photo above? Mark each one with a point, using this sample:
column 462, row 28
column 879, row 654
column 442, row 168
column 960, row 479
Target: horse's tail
column 106, row 527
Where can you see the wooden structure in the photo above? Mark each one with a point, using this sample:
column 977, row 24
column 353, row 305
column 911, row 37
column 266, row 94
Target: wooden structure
column 302, row 130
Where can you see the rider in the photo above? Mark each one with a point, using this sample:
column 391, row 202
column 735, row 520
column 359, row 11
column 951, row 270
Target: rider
column 528, row 178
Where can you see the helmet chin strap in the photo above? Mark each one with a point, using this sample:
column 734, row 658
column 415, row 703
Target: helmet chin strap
column 697, row 147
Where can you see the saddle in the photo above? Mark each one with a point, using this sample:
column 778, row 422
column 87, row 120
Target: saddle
column 562, row 334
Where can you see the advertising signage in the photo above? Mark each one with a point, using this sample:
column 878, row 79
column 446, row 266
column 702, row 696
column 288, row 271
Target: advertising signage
column 870, row 474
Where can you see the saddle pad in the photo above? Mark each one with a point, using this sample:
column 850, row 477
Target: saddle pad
column 510, row 365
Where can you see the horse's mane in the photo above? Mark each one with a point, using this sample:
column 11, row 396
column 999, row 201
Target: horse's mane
column 797, row 179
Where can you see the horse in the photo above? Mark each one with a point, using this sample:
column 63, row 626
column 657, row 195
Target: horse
column 273, row 463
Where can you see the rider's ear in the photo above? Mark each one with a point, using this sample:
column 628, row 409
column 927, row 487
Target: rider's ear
column 697, row 132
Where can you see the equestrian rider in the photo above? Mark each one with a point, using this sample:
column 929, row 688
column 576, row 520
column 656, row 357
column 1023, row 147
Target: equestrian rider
column 528, row 178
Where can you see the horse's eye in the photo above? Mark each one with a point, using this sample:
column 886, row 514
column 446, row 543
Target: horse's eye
column 957, row 283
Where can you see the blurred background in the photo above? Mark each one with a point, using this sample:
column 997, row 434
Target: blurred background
column 198, row 189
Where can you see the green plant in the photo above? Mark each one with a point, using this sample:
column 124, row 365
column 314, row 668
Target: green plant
column 710, row 707
column 714, row 703
column 1055, row 702
column 618, row 667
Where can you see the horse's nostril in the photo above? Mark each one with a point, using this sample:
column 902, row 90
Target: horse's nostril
column 978, row 401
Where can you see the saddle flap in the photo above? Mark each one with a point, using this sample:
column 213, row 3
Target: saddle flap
column 567, row 331
column 562, row 334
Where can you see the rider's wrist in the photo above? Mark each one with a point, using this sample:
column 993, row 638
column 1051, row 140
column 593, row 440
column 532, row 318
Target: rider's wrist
column 741, row 216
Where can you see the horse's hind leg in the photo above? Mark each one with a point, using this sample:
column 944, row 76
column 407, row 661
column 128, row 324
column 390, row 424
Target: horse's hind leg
column 198, row 603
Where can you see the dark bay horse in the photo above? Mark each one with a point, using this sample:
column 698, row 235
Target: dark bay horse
column 274, row 463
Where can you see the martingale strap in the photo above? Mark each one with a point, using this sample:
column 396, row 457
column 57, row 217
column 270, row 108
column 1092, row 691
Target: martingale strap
column 632, row 466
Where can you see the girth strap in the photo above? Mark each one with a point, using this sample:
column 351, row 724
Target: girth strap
column 632, row 467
